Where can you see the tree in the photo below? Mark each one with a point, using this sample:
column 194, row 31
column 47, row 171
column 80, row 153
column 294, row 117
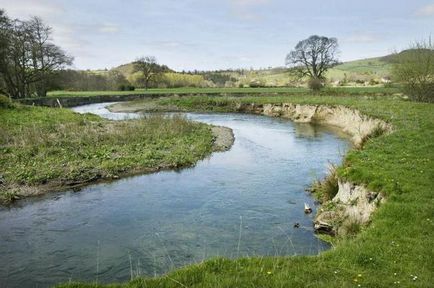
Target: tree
column 148, row 68
column 28, row 57
column 46, row 57
column 312, row 57
column 414, row 69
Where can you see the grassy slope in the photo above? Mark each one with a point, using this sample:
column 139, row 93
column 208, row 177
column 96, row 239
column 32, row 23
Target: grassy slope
column 376, row 67
column 277, row 90
column 397, row 246
column 56, row 147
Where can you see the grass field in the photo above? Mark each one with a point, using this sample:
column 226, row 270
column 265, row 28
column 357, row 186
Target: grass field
column 395, row 250
column 328, row 91
column 51, row 149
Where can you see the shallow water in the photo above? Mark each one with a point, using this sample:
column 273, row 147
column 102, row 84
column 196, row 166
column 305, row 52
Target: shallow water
column 243, row 202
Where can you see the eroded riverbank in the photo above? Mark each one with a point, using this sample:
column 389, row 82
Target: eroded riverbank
column 348, row 204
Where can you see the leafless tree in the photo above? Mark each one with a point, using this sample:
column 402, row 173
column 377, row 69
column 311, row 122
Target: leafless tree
column 28, row 57
column 414, row 69
column 149, row 67
column 313, row 56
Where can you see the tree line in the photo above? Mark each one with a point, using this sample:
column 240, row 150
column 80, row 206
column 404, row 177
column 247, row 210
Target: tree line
column 31, row 64
column 28, row 57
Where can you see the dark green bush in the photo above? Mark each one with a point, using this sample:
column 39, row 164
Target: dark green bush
column 6, row 102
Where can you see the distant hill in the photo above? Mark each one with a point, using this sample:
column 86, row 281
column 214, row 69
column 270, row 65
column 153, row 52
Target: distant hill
column 128, row 69
column 357, row 72
column 373, row 68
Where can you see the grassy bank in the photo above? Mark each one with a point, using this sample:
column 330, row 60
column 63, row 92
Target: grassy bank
column 394, row 250
column 44, row 149
column 279, row 90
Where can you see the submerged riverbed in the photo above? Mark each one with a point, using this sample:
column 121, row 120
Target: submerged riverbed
column 243, row 202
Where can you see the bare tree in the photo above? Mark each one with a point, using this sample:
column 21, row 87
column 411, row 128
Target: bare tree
column 313, row 56
column 414, row 69
column 149, row 68
column 28, row 57
column 46, row 58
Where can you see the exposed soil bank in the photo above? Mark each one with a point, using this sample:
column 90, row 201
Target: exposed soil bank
column 352, row 122
column 353, row 204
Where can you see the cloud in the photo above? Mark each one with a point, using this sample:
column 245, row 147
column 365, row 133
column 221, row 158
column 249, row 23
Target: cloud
column 427, row 10
column 361, row 37
column 25, row 8
column 108, row 28
column 246, row 9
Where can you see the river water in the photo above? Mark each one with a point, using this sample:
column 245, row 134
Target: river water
column 243, row 202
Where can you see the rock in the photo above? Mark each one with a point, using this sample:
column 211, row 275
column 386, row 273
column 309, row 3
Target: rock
column 324, row 228
column 223, row 138
column 297, row 225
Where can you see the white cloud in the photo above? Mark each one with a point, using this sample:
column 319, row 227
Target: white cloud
column 108, row 28
column 427, row 10
column 245, row 9
column 361, row 37
column 248, row 2
column 25, row 8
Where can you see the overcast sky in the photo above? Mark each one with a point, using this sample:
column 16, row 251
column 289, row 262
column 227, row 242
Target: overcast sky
column 207, row 34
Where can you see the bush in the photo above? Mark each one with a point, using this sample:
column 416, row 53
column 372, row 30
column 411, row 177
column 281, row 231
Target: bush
column 315, row 84
column 414, row 69
column 256, row 83
column 6, row 102
column 126, row 88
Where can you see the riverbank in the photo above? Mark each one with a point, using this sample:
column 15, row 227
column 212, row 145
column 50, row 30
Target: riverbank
column 46, row 149
column 345, row 205
column 393, row 250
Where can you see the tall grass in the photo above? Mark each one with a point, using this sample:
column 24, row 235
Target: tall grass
column 54, row 146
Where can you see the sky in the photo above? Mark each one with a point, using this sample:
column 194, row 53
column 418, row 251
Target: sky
column 221, row 34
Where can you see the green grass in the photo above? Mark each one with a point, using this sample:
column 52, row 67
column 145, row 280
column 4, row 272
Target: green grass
column 395, row 247
column 328, row 91
column 375, row 67
column 57, row 148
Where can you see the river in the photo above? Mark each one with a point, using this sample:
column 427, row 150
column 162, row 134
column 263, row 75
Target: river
column 243, row 202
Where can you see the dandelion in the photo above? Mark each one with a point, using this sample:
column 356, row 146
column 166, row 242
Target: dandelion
column 394, row 273
column 268, row 272
column 360, row 275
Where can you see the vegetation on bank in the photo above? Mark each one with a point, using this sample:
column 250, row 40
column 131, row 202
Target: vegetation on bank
column 394, row 250
column 45, row 149
column 377, row 90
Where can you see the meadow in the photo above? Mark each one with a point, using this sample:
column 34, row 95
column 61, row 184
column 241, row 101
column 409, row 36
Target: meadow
column 369, row 90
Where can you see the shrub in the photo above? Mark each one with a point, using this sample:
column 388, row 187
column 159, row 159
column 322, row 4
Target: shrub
column 6, row 102
column 414, row 69
column 315, row 84
column 126, row 88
